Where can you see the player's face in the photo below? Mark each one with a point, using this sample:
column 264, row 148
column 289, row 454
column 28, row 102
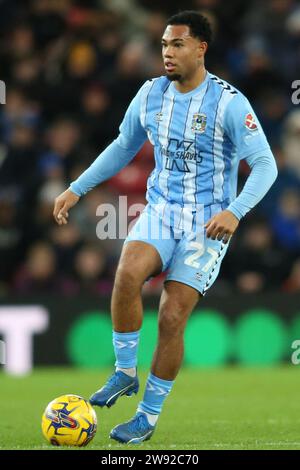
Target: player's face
column 182, row 53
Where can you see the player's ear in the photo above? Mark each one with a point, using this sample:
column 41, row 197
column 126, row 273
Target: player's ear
column 202, row 48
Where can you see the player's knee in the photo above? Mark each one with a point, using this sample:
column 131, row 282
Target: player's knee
column 172, row 319
column 128, row 278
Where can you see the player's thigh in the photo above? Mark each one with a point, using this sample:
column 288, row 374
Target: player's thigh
column 155, row 237
column 197, row 262
column 138, row 261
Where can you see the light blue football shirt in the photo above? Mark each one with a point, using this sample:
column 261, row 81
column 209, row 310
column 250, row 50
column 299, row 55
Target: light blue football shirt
column 199, row 138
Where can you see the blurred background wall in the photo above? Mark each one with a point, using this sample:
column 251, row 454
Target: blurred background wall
column 70, row 69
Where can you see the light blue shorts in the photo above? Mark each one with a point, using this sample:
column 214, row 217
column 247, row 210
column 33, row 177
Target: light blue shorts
column 187, row 258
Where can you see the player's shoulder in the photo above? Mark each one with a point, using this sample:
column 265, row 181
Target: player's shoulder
column 234, row 99
column 226, row 87
column 158, row 83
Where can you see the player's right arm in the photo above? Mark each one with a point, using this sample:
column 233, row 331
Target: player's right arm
column 115, row 157
column 62, row 204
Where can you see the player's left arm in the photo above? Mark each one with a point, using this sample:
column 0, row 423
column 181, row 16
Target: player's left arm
column 245, row 132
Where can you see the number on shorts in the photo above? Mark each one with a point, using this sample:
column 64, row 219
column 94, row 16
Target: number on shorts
column 191, row 260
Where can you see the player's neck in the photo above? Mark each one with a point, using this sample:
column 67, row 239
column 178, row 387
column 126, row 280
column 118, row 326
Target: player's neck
column 191, row 83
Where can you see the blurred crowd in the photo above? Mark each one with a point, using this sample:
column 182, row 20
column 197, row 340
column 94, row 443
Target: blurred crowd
column 71, row 68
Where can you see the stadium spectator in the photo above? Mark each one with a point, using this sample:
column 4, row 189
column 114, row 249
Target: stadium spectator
column 292, row 283
column 256, row 263
column 38, row 274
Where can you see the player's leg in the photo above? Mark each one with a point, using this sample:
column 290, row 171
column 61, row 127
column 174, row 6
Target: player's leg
column 143, row 256
column 138, row 262
column 195, row 265
column 177, row 302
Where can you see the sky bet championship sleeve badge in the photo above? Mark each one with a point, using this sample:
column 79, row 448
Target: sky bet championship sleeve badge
column 250, row 122
column 199, row 123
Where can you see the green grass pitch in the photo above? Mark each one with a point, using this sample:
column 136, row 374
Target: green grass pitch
column 229, row 408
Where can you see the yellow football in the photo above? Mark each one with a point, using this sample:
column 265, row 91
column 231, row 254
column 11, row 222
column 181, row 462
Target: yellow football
column 69, row 420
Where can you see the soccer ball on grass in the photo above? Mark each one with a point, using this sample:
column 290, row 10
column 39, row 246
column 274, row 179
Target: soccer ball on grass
column 69, row 420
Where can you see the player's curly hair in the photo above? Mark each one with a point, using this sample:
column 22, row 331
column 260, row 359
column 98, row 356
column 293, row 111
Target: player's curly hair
column 198, row 24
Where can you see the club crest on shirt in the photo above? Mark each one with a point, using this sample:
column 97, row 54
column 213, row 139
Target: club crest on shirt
column 158, row 117
column 199, row 122
column 250, row 122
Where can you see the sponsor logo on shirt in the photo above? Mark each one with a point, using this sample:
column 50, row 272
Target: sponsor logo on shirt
column 180, row 154
column 250, row 122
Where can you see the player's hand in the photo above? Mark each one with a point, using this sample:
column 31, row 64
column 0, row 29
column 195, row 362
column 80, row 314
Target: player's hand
column 222, row 226
column 62, row 204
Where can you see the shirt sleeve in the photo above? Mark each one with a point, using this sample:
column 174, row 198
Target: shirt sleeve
column 118, row 154
column 250, row 143
column 243, row 128
column 263, row 174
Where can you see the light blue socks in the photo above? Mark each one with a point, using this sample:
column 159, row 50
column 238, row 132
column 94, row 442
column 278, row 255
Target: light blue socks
column 126, row 346
column 155, row 394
